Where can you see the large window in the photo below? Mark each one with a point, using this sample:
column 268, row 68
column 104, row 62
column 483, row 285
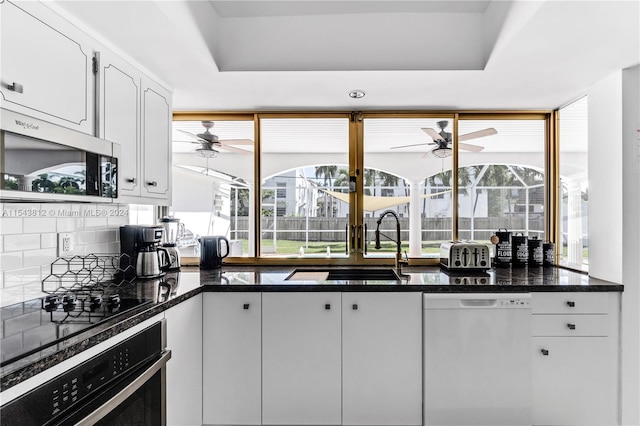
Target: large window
column 213, row 169
column 304, row 177
column 501, row 178
column 573, row 244
column 325, row 179
column 407, row 169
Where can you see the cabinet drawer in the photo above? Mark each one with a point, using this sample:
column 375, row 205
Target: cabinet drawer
column 570, row 325
column 570, row 303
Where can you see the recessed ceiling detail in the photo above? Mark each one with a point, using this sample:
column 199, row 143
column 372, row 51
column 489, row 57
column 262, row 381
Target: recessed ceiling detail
column 332, row 38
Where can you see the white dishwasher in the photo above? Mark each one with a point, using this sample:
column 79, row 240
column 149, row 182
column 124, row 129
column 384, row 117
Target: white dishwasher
column 477, row 359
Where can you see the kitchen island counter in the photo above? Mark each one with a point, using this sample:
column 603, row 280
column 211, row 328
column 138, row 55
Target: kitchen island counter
column 176, row 287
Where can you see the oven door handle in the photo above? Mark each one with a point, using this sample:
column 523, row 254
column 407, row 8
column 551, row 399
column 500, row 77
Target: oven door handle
column 125, row 393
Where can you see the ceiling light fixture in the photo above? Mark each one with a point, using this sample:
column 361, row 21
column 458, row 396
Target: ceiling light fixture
column 442, row 152
column 207, row 152
column 356, row 94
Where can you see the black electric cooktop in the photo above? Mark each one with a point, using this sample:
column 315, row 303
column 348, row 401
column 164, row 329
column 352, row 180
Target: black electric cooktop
column 37, row 324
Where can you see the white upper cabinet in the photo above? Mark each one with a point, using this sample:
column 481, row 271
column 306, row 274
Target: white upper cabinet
column 119, row 117
column 156, row 141
column 47, row 72
column 46, row 66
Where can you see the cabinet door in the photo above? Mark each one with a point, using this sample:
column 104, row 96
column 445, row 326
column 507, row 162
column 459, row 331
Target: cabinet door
column 231, row 359
column 156, row 141
column 184, row 370
column 573, row 384
column 301, row 383
column 382, row 358
column 51, row 60
column 119, row 118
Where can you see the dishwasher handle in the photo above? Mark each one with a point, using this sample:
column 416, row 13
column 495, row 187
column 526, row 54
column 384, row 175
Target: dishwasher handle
column 478, row 303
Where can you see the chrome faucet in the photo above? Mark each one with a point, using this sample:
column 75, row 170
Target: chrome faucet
column 400, row 261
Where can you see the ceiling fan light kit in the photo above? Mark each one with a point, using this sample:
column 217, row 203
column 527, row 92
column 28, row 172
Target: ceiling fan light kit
column 207, row 152
column 442, row 152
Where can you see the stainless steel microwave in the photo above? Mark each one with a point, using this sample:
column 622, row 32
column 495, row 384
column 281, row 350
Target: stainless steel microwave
column 43, row 161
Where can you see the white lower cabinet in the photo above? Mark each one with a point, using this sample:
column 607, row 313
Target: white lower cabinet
column 575, row 364
column 312, row 358
column 382, row 358
column 232, row 359
column 301, row 358
column 184, row 369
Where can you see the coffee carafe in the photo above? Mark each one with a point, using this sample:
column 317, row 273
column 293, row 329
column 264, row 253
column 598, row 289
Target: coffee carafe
column 151, row 262
column 173, row 231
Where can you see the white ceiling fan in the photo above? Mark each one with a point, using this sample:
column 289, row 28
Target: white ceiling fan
column 442, row 141
column 211, row 145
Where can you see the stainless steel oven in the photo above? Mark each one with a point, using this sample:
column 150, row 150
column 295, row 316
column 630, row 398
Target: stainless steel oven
column 124, row 385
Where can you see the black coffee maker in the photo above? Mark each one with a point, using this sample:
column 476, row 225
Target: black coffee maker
column 212, row 251
column 140, row 251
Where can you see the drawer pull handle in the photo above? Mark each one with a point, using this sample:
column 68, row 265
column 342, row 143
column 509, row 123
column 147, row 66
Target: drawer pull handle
column 571, row 304
column 245, row 306
column 571, row 326
column 354, row 306
column 130, row 180
column 544, row 352
column 15, row 87
column 327, row 306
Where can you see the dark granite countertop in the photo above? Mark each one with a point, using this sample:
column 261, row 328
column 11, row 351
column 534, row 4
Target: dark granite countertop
column 190, row 281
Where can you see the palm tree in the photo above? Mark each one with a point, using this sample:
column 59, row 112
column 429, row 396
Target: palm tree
column 327, row 173
column 370, row 177
column 342, row 180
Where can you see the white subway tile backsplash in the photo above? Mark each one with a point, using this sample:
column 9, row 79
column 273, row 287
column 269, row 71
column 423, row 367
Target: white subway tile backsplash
column 11, row 225
column 21, row 242
column 84, row 237
column 32, row 291
column 40, row 225
column 95, row 222
column 11, row 260
column 49, row 240
column 22, row 277
column 107, row 235
column 11, row 295
column 69, row 224
column 38, row 257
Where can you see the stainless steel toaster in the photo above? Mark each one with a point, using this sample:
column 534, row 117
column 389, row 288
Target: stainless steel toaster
column 465, row 255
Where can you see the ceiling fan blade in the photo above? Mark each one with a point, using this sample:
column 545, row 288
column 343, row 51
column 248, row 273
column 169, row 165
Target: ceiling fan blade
column 179, row 141
column 230, row 148
column 191, row 136
column 236, row 141
column 478, row 134
column 415, row 144
column 434, row 135
column 469, row 147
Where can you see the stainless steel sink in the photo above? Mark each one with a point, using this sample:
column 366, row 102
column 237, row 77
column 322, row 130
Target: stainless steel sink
column 336, row 274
